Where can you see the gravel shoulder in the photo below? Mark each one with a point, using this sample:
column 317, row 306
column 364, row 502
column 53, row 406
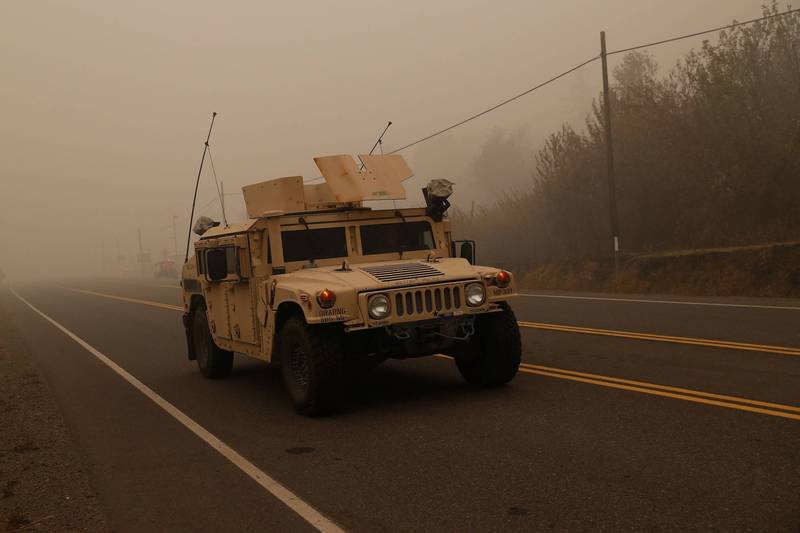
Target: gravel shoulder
column 43, row 484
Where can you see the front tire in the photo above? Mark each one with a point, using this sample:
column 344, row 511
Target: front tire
column 312, row 364
column 493, row 355
column 213, row 361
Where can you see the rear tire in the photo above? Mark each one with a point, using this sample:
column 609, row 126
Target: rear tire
column 493, row 355
column 213, row 361
column 312, row 364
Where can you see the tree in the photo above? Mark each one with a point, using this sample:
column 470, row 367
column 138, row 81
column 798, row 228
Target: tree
column 707, row 155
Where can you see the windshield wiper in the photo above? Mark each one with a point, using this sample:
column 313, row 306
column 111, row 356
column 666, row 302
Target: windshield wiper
column 406, row 237
column 311, row 244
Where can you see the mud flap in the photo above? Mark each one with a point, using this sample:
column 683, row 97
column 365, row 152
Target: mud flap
column 187, row 328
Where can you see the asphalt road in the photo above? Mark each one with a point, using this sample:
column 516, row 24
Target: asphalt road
column 602, row 431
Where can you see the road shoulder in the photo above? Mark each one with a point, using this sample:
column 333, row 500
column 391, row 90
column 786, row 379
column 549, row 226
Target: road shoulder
column 43, row 484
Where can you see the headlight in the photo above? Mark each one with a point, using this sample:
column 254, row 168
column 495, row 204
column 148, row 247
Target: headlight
column 379, row 306
column 475, row 294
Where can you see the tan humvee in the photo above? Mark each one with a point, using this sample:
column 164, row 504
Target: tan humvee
column 322, row 286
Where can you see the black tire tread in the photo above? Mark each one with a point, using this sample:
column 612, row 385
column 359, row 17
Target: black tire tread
column 495, row 350
column 220, row 362
column 325, row 348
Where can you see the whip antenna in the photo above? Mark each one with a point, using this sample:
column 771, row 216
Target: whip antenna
column 379, row 141
column 196, row 185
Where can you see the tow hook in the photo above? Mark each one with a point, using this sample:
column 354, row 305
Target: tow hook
column 464, row 331
column 401, row 334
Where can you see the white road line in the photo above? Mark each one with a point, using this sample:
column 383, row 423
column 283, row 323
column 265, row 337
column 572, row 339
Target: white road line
column 675, row 302
column 290, row 499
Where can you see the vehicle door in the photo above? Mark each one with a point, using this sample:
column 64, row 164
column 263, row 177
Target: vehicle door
column 241, row 299
column 213, row 263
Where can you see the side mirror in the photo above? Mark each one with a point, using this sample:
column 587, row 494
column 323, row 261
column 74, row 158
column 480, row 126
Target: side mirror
column 216, row 264
column 468, row 251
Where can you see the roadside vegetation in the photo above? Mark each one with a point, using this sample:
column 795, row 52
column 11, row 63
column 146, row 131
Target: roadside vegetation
column 43, row 483
column 707, row 154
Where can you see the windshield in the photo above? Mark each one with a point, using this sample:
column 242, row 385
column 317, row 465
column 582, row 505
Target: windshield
column 308, row 244
column 397, row 237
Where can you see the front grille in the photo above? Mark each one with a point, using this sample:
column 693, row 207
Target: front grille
column 427, row 300
column 401, row 271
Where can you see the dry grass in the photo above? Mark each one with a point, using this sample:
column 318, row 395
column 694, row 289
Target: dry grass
column 765, row 270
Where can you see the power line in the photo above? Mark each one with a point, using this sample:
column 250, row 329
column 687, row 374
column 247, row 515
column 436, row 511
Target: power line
column 588, row 61
column 704, row 32
column 501, row 104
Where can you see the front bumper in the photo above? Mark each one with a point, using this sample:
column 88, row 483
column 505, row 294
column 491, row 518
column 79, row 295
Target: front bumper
column 414, row 339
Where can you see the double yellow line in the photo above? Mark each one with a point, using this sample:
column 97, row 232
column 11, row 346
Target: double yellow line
column 783, row 350
column 125, row 299
column 689, row 395
column 666, row 391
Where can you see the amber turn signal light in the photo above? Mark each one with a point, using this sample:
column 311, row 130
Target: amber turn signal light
column 502, row 279
column 326, row 298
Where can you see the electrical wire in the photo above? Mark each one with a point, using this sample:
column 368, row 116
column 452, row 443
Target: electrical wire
column 704, row 32
column 494, row 107
column 573, row 69
column 579, row 66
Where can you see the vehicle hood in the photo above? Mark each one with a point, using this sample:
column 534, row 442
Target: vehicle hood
column 382, row 275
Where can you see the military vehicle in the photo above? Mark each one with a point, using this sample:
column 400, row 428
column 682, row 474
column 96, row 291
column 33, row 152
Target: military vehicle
column 324, row 287
column 166, row 269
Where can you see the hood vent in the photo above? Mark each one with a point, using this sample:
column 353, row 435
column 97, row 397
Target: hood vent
column 402, row 271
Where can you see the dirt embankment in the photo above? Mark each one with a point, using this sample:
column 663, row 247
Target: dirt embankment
column 43, row 486
column 767, row 270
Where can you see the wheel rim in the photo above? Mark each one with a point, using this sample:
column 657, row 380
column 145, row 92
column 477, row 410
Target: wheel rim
column 298, row 365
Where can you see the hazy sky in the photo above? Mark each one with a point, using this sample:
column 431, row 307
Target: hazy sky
column 106, row 103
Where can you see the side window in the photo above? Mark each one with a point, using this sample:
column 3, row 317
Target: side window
column 222, row 263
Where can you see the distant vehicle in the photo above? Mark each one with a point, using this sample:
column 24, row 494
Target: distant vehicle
column 324, row 287
column 166, row 269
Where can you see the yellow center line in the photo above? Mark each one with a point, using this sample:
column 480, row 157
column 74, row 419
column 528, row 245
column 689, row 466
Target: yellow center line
column 689, row 395
column 730, row 345
column 124, row 299
column 668, row 388
column 655, row 392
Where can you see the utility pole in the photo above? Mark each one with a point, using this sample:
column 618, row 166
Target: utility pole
column 612, row 189
column 143, row 258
